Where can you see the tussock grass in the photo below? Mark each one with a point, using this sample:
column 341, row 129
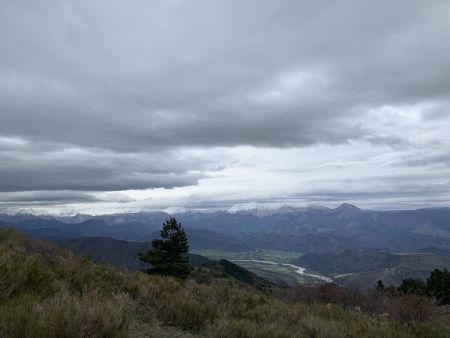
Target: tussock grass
column 47, row 292
column 63, row 315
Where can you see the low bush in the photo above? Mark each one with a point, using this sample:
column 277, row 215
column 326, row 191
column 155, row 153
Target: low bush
column 401, row 307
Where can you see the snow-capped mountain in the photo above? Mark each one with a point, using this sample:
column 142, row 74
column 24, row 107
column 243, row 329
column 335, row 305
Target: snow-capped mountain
column 28, row 211
column 175, row 210
column 263, row 209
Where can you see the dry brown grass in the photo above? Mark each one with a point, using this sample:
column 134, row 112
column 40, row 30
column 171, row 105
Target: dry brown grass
column 46, row 292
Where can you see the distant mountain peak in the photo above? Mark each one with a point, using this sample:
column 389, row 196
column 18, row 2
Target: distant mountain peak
column 347, row 206
column 317, row 208
column 68, row 213
column 262, row 209
column 347, row 210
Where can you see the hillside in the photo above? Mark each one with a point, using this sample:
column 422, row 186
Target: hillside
column 307, row 230
column 356, row 245
column 48, row 292
column 212, row 270
column 116, row 252
column 124, row 254
column 366, row 266
column 348, row 261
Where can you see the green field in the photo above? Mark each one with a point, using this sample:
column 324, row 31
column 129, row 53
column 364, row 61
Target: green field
column 288, row 274
column 259, row 254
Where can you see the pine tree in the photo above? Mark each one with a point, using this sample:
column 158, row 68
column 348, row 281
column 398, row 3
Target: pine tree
column 438, row 285
column 380, row 285
column 169, row 254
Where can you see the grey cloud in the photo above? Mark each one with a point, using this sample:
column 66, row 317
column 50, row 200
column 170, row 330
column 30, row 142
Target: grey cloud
column 440, row 192
column 439, row 112
column 55, row 198
column 98, row 170
column 47, row 197
column 404, row 196
column 392, row 141
column 178, row 73
column 387, row 191
column 407, row 195
column 429, row 158
column 103, row 96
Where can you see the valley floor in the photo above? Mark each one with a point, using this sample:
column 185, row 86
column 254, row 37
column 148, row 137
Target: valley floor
column 272, row 265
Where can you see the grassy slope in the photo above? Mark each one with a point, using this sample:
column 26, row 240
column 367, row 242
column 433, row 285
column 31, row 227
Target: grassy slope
column 47, row 292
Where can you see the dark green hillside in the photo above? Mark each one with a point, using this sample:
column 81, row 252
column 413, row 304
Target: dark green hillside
column 116, row 252
column 348, row 261
column 48, row 292
column 123, row 254
column 366, row 266
column 415, row 265
column 224, row 268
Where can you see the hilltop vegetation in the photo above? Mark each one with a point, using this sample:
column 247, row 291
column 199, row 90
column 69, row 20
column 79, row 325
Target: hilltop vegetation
column 47, row 292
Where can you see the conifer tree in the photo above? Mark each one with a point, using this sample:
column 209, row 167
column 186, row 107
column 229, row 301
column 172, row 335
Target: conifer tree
column 169, row 253
column 438, row 285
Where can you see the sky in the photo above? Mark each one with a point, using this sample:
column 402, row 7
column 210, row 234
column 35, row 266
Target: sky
column 110, row 106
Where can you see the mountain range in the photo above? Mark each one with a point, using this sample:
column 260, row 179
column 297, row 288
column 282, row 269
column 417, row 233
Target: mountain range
column 346, row 241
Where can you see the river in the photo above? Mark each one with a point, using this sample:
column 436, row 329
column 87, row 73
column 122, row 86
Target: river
column 298, row 269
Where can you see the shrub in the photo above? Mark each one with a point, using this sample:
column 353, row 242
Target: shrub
column 63, row 315
column 413, row 286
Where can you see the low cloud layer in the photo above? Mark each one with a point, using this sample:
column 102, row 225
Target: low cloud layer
column 105, row 96
column 89, row 169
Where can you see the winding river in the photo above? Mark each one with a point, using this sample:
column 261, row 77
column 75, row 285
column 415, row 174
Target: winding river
column 298, row 269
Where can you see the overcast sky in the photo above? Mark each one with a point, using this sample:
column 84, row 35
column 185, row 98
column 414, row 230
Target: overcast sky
column 137, row 105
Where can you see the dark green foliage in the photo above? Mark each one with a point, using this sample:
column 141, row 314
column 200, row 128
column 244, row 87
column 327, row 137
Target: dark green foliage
column 227, row 269
column 438, row 285
column 169, row 256
column 414, row 286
